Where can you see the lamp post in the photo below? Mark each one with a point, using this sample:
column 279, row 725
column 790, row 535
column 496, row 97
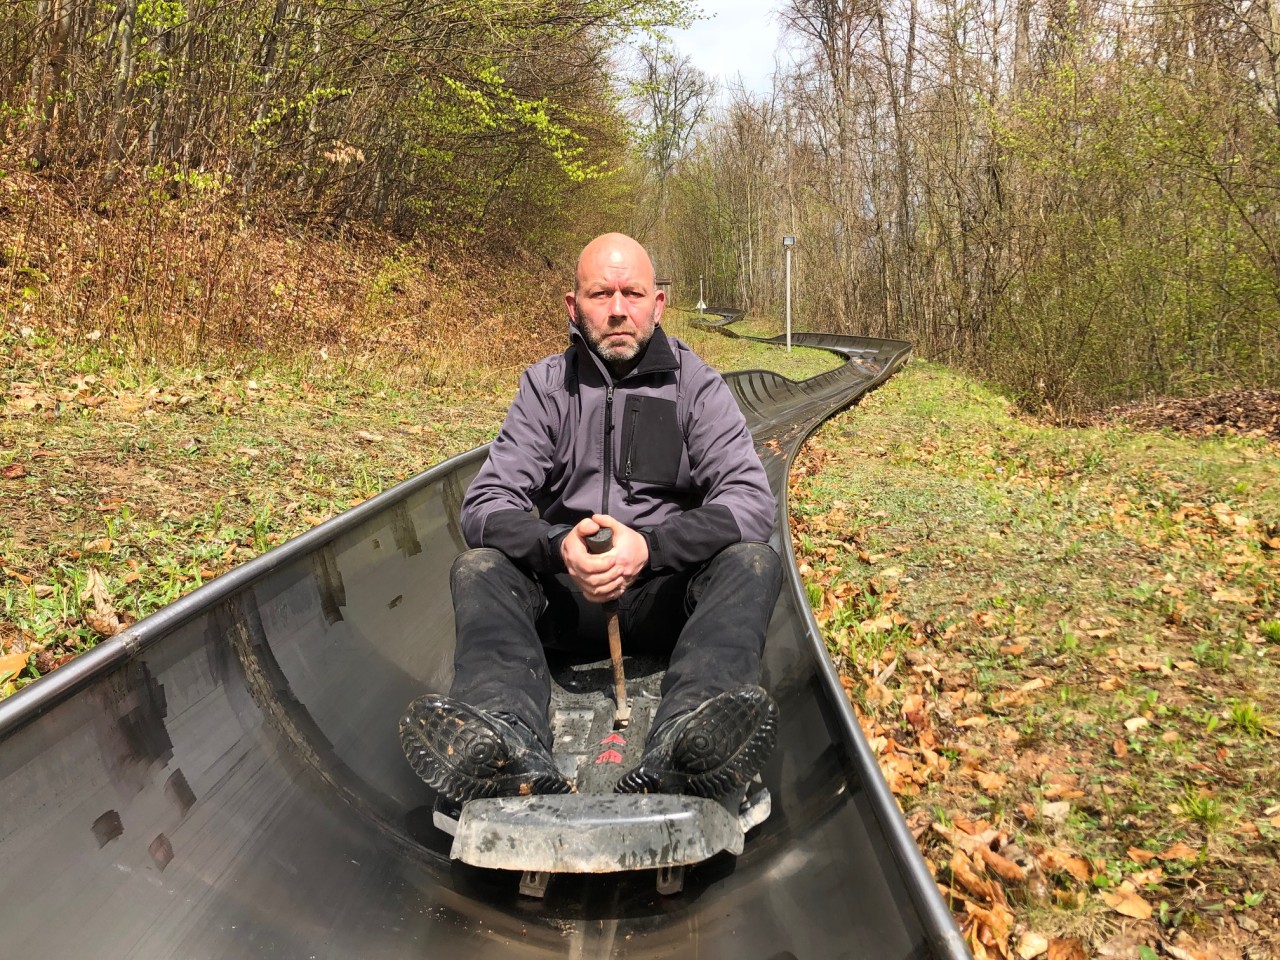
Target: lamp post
column 788, row 242
column 702, row 306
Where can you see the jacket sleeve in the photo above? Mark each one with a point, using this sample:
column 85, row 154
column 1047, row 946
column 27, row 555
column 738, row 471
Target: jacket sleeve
column 498, row 509
column 737, row 504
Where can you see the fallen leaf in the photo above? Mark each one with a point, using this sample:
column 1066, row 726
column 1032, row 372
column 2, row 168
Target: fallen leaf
column 1149, row 876
column 964, row 874
column 1126, row 901
column 368, row 437
column 992, row 782
column 1062, row 861
column 13, row 663
column 988, row 929
column 1138, row 855
column 1058, row 810
column 1232, row 595
column 107, row 626
column 13, row 471
column 1179, row 851
column 1071, row 949
column 1002, row 866
column 1184, row 948
column 101, row 616
column 1134, row 724
column 1031, row 945
column 878, row 624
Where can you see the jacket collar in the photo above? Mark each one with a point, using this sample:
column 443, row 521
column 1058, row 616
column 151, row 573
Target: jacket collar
column 659, row 356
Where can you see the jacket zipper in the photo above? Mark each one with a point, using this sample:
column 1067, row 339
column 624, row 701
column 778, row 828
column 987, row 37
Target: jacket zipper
column 626, row 472
column 608, row 447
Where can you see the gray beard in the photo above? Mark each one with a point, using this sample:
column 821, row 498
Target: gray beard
column 622, row 362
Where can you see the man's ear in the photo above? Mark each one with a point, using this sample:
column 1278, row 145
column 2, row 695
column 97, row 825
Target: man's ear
column 659, row 304
column 571, row 305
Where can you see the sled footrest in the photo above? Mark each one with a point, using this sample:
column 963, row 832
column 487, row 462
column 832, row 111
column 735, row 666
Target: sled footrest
column 584, row 833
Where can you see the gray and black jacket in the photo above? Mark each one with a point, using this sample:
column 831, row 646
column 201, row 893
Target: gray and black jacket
column 665, row 450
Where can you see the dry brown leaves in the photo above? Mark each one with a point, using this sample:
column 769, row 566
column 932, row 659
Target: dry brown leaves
column 13, row 663
column 1251, row 413
column 90, row 392
column 98, row 612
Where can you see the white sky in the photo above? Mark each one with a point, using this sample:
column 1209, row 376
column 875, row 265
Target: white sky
column 737, row 38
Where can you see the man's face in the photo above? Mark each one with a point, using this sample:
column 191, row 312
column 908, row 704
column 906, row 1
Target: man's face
column 615, row 303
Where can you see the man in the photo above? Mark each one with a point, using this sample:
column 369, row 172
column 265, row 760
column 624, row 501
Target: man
column 629, row 430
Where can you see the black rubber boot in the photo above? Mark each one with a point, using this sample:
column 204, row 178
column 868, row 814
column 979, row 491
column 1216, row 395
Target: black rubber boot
column 466, row 753
column 711, row 751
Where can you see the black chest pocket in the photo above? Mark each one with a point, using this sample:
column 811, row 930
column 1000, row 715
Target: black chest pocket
column 652, row 441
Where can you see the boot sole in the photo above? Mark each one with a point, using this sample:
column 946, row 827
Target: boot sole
column 723, row 746
column 463, row 756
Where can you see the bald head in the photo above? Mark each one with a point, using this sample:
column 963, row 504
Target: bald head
column 611, row 252
column 615, row 301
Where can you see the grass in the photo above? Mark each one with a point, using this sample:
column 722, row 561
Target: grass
column 1088, row 615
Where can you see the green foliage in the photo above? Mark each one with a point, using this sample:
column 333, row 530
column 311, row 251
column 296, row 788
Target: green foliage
column 1202, row 808
column 192, row 181
column 161, row 14
column 284, row 108
column 458, row 119
column 1246, row 717
column 488, row 104
column 1146, row 264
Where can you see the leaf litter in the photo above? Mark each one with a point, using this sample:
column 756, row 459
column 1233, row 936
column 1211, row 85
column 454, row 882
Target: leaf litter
column 1067, row 677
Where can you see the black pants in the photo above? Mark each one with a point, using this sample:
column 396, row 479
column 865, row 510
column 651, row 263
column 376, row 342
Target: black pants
column 710, row 620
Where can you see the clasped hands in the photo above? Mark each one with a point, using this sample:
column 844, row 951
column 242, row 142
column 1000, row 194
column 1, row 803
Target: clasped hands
column 604, row 576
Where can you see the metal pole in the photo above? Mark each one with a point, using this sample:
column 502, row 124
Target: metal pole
column 788, row 299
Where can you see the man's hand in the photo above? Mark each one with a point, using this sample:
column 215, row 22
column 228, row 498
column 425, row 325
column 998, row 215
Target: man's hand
column 604, row 576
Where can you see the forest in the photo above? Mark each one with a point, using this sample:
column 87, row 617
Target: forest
column 1075, row 199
